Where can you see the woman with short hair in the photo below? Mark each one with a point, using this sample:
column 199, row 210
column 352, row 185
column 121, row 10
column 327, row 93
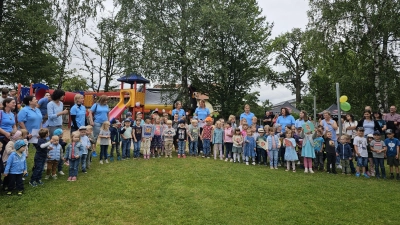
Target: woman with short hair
column 98, row 114
column 30, row 117
column 78, row 113
column 55, row 111
column 178, row 110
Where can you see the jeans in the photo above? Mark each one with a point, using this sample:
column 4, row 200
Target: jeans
column 193, row 148
column 37, row 172
column 379, row 162
column 15, row 179
column 206, row 147
column 362, row 161
column 60, row 165
column 261, row 153
column 228, row 150
column 136, row 149
column 73, row 167
column 345, row 166
column 88, row 159
column 96, row 131
column 331, row 159
column 273, row 161
column 319, row 160
column 181, row 147
column 126, row 148
column 82, row 160
column 116, row 147
column 103, row 151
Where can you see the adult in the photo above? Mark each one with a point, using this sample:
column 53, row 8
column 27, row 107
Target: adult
column 4, row 95
column 7, row 121
column 78, row 113
column 42, row 104
column 329, row 125
column 178, row 110
column 202, row 112
column 269, row 116
column 301, row 120
column 392, row 120
column 98, row 114
column 30, row 117
column 55, row 111
column 247, row 115
column 285, row 119
column 349, row 127
column 382, row 123
column 369, row 124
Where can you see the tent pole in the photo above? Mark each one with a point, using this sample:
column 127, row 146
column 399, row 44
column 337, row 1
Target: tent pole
column 338, row 108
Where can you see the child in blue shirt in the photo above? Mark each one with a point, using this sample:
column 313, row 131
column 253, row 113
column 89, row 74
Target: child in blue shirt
column 115, row 139
column 319, row 151
column 217, row 140
column 273, row 145
column 16, row 167
column 392, row 153
column 42, row 148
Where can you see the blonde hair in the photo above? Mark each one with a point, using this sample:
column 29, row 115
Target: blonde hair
column 169, row 121
column 55, row 137
column 102, row 99
column 89, row 127
column 76, row 134
column 231, row 117
column 103, row 126
column 77, row 96
column 24, row 132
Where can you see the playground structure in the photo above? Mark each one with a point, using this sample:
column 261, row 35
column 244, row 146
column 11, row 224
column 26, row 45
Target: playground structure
column 133, row 99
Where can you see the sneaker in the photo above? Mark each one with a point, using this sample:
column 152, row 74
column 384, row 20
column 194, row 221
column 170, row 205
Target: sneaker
column 231, row 160
column 271, row 167
column 184, row 156
column 9, row 193
column 101, row 161
column 373, row 174
column 69, row 179
column 378, row 177
column 306, row 170
column 226, row 160
column 179, row 156
column 202, row 156
column 208, row 157
column 154, row 156
column 286, row 170
column 106, row 161
column 254, row 163
column 54, row 177
column 40, row 182
column 391, row 176
column 339, row 167
column 33, row 183
column 46, row 177
column 247, row 163
column 119, row 158
column 61, row 173
column 279, row 164
column 73, row 179
column 276, row 168
column 310, row 170
column 112, row 159
column 84, row 171
column 294, row 171
column 19, row 193
column 166, row 156
column 358, row 174
column 366, row 175
column 398, row 177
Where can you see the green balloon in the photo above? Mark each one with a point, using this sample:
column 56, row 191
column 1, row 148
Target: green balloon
column 345, row 106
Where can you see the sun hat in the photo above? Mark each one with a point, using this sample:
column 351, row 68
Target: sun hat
column 260, row 130
column 19, row 144
column 58, row 132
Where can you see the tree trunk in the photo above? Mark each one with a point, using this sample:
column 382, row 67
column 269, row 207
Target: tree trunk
column 64, row 54
column 385, row 80
column 1, row 11
column 298, row 89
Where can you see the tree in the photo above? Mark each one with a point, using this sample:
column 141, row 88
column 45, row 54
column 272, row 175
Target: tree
column 75, row 83
column 290, row 54
column 26, row 34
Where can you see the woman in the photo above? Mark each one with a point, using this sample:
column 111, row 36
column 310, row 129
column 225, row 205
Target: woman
column 7, row 120
column 301, row 120
column 202, row 112
column 329, row 125
column 55, row 111
column 178, row 110
column 285, row 119
column 78, row 113
column 247, row 115
column 369, row 124
column 42, row 104
column 30, row 117
column 269, row 116
column 98, row 114
column 382, row 123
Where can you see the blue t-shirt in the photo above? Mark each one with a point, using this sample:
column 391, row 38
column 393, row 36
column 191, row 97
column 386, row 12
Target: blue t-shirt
column 180, row 113
column 202, row 113
column 43, row 105
column 80, row 113
column 7, row 121
column 248, row 117
column 100, row 113
column 52, row 110
column 299, row 123
column 318, row 142
column 32, row 118
column 368, row 127
column 391, row 145
column 284, row 121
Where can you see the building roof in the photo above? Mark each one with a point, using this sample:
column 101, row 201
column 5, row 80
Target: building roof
column 158, row 96
column 277, row 108
column 132, row 78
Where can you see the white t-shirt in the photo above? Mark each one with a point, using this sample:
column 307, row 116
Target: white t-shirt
column 361, row 143
column 352, row 133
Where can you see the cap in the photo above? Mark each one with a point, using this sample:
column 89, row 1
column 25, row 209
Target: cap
column 19, row 144
column 389, row 131
column 127, row 120
column 128, row 114
column 58, row 132
column 181, row 121
column 370, row 135
column 82, row 128
column 377, row 133
column 360, row 128
column 260, row 130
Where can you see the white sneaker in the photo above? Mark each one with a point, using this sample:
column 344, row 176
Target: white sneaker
column 298, row 163
column 271, row 167
column 46, row 177
column 61, row 173
column 279, row 164
column 231, row 160
column 339, row 166
column 45, row 167
column 226, row 160
column 305, row 170
column 254, row 163
column 101, row 161
column 106, row 160
column 54, row 177
column 247, row 163
column 311, row 171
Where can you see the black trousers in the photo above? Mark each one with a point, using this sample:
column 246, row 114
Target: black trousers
column 331, row 158
column 15, row 180
column 261, row 153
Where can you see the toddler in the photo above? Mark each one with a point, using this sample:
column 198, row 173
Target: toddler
column 147, row 135
column 343, row 150
column 42, row 148
column 72, row 154
column 206, row 136
column 290, row 151
column 137, row 138
column 182, row 138
column 115, row 139
column 156, row 141
column 360, row 148
column 273, row 145
column 86, row 145
column 217, row 139
column 392, row 153
column 16, row 168
column 126, row 134
column 104, row 136
column 378, row 149
column 250, row 147
column 53, row 157
column 228, row 133
column 193, row 133
column 169, row 134
column 237, row 148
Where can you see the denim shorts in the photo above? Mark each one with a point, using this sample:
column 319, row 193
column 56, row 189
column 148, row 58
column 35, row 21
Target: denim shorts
column 362, row 161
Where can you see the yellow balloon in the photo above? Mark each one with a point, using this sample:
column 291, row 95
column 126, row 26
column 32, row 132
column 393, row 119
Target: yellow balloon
column 343, row 98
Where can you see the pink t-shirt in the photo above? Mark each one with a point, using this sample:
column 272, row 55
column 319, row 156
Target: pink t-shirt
column 227, row 132
column 157, row 130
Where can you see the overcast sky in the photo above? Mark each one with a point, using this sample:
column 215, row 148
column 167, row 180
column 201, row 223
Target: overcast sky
column 285, row 14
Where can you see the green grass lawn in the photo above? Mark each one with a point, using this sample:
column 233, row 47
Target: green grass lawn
column 202, row 191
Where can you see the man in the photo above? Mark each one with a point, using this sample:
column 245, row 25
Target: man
column 4, row 95
column 392, row 120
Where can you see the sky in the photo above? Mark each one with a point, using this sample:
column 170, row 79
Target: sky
column 286, row 15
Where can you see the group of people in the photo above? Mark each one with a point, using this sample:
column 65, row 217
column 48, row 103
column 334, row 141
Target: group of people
column 283, row 141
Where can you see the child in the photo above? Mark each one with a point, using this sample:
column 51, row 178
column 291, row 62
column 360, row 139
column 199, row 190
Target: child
column 104, row 135
column 205, row 136
column 218, row 140
column 15, row 136
column 261, row 152
column 330, row 153
column 115, row 139
column 126, row 134
column 169, row 134
column 237, row 139
column 290, row 151
column 40, row 157
column 182, row 139
column 86, row 145
column 378, row 149
column 307, row 150
column 343, row 150
column 156, row 141
column 16, row 168
column 137, row 138
column 53, row 157
column 244, row 135
column 370, row 165
column 273, row 145
column 72, row 154
column 319, row 151
column 194, row 131
column 392, row 153
column 228, row 133
column 59, row 133
column 360, row 148
column 89, row 134
column 250, row 149
column 147, row 135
